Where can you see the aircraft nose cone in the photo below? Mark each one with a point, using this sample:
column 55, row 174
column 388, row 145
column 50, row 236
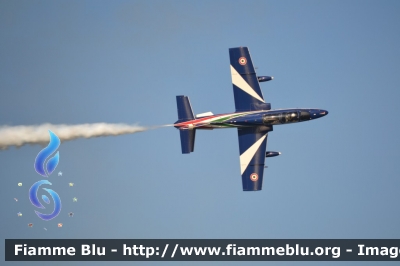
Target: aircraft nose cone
column 317, row 113
column 323, row 112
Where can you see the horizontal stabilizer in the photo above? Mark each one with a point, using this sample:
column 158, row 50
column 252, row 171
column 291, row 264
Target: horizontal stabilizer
column 185, row 112
column 187, row 140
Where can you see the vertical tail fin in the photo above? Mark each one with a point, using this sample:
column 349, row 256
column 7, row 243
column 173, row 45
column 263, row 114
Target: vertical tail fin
column 185, row 112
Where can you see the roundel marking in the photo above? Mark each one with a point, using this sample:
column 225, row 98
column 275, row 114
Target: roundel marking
column 242, row 61
column 254, row 177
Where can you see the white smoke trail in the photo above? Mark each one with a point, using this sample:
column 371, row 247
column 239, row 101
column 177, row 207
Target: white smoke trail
column 38, row 134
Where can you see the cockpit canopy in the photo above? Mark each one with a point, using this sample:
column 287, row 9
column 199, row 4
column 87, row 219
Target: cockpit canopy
column 281, row 118
column 288, row 116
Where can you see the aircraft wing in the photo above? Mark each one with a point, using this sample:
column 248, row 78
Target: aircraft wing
column 246, row 88
column 252, row 146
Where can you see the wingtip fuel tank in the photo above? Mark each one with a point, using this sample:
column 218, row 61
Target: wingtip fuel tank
column 264, row 78
column 272, row 153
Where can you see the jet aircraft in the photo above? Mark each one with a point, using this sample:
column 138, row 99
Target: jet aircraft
column 253, row 119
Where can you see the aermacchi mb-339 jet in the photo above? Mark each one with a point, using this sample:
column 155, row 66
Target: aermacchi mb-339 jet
column 253, row 119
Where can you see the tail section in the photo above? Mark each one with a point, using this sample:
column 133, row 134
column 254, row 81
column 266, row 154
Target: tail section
column 185, row 113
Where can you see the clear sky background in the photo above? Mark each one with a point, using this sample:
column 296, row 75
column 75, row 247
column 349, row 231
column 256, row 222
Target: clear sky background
column 72, row 62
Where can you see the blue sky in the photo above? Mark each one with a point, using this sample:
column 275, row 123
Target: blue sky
column 71, row 62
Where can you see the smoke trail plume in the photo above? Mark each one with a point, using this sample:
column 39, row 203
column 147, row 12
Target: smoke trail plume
column 21, row 135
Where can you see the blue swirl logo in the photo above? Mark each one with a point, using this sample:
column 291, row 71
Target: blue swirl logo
column 45, row 169
column 35, row 201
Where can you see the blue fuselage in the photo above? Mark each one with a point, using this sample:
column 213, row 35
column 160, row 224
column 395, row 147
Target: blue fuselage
column 253, row 118
column 266, row 118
